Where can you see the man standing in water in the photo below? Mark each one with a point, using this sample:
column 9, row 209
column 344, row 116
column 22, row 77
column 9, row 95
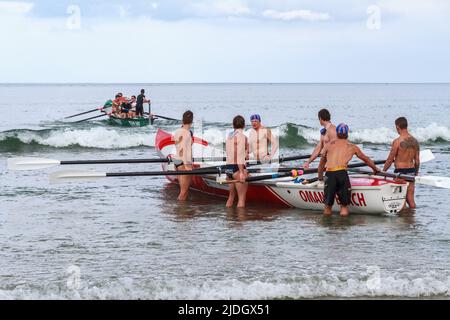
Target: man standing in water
column 140, row 104
column 183, row 138
column 335, row 157
column 237, row 155
column 328, row 133
column 405, row 153
column 260, row 139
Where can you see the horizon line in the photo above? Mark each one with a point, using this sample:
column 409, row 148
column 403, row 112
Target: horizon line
column 208, row 83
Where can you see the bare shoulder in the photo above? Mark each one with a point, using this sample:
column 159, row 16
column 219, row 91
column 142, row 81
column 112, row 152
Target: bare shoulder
column 409, row 143
column 353, row 147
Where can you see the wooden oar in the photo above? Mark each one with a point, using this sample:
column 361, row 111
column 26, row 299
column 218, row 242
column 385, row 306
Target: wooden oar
column 72, row 176
column 102, row 115
column 425, row 156
column 90, row 111
column 434, row 181
column 166, row 118
column 23, row 164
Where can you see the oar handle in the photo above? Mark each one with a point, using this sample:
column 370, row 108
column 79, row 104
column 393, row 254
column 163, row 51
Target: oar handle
column 393, row 175
column 286, row 159
column 160, row 173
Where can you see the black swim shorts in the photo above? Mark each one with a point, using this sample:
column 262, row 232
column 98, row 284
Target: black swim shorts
column 337, row 183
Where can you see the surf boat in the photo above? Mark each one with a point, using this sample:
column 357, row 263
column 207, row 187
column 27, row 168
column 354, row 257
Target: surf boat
column 130, row 122
column 370, row 194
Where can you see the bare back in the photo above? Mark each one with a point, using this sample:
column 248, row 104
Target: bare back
column 407, row 150
column 338, row 153
column 183, row 145
column 330, row 135
column 237, row 148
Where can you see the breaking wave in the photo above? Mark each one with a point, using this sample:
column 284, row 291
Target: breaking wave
column 432, row 134
column 329, row 286
column 291, row 136
column 100, row 138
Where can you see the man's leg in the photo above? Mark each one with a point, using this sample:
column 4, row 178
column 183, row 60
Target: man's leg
column 328, row 210
column 329, row 194
column 242, row 194
column 232, row 195
column 410, row 195
column 185, row 183
column 344, row 211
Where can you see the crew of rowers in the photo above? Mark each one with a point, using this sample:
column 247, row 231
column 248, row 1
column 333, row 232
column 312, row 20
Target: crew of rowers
column 125, row 108
column 334, row 149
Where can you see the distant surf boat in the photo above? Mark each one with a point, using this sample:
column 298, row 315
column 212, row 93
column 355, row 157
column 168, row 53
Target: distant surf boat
column 130, row 122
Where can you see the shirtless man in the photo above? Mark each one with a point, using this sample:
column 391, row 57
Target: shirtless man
column 328, row 133
column 405, row 153
column 260, row 138
column 237, row 151
column 336, row 156
column 183, row 138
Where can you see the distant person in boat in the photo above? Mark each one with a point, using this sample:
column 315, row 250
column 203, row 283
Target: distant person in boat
column 327, row 134
column 237, row 151
column 132, row 112
column 116, row 105
column 125, row 108
column 335, row 157
column 183, row 138
column 405, row 154
column 141, row 99
column 263, row 144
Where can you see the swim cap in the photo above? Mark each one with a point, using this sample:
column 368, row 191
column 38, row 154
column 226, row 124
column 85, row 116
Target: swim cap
column 342, row 129
column 255, row 117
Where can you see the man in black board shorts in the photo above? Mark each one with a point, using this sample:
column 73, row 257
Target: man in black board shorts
column 140, row 104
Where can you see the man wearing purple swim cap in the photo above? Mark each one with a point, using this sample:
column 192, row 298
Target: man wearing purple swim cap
column 263, row 144
column 335, row 157
column 327, row 134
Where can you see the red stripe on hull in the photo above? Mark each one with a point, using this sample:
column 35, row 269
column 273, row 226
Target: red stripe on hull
column 256, row 193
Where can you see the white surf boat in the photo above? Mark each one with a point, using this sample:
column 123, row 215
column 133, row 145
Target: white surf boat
column 370, row 194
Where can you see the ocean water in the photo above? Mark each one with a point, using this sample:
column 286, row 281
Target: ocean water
column 128, row 238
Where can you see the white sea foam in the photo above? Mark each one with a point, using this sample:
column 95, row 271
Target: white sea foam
column 111, row 138
column 90, row 138
column 425, row 286
column 383, row 135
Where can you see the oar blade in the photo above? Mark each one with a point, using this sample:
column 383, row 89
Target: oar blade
column 426, row 155
column 75, row 176
column 25, row 164
column 439, row 182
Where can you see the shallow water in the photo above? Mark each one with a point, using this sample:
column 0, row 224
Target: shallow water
column 126, row 238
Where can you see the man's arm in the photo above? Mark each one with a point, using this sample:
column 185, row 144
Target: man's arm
column 417, row 159
column 315, row 153
column 366, row 159
column 323, row 162
column 242, row 154
column 392, row 155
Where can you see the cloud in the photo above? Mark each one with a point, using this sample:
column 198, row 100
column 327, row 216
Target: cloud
column 15, row 8
column 220, row 8
column 305, row 15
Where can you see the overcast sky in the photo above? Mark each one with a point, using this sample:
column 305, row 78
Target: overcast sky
column 225, row 41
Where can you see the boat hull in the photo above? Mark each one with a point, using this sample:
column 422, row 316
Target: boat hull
column 132, row 122
column 370, row 195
